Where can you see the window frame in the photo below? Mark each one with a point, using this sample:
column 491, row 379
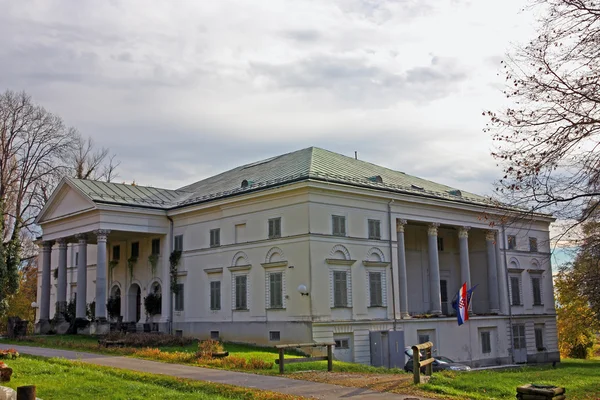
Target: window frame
column 215, row 237
column 342, row 301
column 274, row 228
column 374, row 229
column 533, row 245
column 511, row 242
column 179, row 298
column 237, row 296
column 512, row 291
column 539, row 340
column 178, row 243
column 274, row 336
column 155, row 247
column 537, row 279
column 486, row 344
column 344, row 343
column 215, row 300
column 377, row 294
column 272, row 303
column 334, row 225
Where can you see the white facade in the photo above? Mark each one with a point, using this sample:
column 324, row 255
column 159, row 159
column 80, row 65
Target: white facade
column 312, row 251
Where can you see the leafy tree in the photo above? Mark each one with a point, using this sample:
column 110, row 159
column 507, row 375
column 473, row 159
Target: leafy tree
column 19, row 304
column 547, row 139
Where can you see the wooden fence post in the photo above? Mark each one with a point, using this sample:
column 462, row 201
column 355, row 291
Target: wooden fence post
column 281, row 360
column 429, row 367
column 416, row 365
column 26, row 393
column 329, row 358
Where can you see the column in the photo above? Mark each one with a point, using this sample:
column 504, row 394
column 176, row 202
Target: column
column 465, row 269
column 434, row 270
column 502, row 284
column 490, row 239
column 46, row 266
column 81, row 278
column 166, row 294
column 100, row 312
column 61, row 293
column 402, row 279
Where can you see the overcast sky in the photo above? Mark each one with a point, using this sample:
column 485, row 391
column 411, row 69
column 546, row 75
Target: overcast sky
column 182, row 90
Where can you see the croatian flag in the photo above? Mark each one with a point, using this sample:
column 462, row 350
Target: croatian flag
column 462, row 312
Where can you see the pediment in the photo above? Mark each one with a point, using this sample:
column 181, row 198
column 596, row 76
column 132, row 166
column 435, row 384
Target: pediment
column 64, row 202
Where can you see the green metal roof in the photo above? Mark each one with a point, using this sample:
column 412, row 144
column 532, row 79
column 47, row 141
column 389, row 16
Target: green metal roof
column 310, row 163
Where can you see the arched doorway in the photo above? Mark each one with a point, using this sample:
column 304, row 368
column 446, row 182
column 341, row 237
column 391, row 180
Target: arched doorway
column 134, row 302
column 114, row 302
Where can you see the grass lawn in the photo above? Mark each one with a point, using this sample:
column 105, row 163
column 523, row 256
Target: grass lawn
column 90, row 344
column 62, row 379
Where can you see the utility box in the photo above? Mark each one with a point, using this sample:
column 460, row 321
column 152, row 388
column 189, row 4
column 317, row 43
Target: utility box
column 387, row 349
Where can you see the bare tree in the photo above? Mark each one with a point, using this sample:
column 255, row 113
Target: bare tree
column 547, row 141
column 90, row 162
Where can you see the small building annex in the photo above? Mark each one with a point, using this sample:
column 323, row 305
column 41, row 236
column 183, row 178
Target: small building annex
column 306, row 246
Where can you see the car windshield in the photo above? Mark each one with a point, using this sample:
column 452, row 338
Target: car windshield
column 444, row 359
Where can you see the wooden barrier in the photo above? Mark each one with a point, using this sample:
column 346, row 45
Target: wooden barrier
column 417, row 363
column 282, row 360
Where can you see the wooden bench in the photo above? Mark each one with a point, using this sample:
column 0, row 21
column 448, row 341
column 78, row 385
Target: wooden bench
column 282, row 360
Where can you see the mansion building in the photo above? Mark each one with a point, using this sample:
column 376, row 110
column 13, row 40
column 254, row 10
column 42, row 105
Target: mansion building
column 309, row 246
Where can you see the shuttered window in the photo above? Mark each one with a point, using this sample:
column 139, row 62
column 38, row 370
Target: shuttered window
column 215, row 295
column 375, row 289
column 340, row 289
column 338, row 225
column 179, row 298
column 241, row 292
column 215, row 237
column 274, row 228
column 276, row 290
column 515, row 293
column 537, row 291
column 178, row 243
column 374, row 229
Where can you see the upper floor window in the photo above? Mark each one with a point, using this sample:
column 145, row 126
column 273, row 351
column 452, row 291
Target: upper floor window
column 340, row 289
column 537, row 291
column 116, row 253
column 241, row 292
column 215, row 295
column 274, row 228
column 338, row 225
column 374, row 229
column 440, row 243
column 533, row 245
column 375, row 289
column 515, row 290
column 156, row 246
column 179, row 297
column 512, row 242
column 215, row 237
column 135, row 250
column 178, row 243
column 276, row 290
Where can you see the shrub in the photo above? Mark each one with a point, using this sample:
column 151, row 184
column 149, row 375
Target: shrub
column 180, row 357
column 113, row 306
column 236, row 362
column 149, row 340
column 9, row 354
column 206, row 348
column 153, row 304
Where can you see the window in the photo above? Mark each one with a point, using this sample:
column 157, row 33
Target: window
column 340, row 289
column 178, row 243
column 515, row 291
column 155, row 246
column 77, row 259
column 116, row 256
column 179, row 297
column 375, row 289
column 274, row 228
column 342, row 344
column 440, row 242
column 423, row 338
column 374, row 229
column 338, row 225
column 486, row 343
column 241, row 291
column 539, row 337
column 276, row 290
column 135, row 249
column 215, row 237
column 512, row 242
column 214, row 335
column 444, row 296
column 215, row 295
column 533, row 245
column 537, row 291
column 274, row 336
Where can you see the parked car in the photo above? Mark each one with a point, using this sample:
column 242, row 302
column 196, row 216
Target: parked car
column 441, row 363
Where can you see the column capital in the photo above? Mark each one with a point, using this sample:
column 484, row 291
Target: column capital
column 101, row 234
column 62, row 243
column 432, row 230
column 82, row 238
column 463, row 231
column 47, row 245
column 400, row 225
column 490, row 235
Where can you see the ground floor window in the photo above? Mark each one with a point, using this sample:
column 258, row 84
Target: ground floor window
column 241, row 292
column 179, row 297
column 539, row 337
column 486, row 342
column 342, row 344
